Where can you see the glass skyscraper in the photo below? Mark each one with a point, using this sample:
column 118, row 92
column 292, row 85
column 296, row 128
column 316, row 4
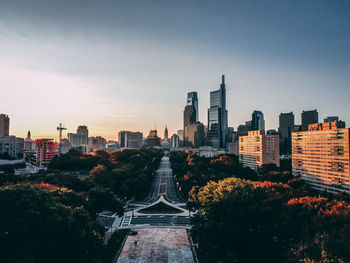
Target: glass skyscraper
column 217, row 117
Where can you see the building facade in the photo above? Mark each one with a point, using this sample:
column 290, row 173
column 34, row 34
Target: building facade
column 320, row 156
column 46, row 149
column 217, row 117
column 4, row 125
column 257, row 149
column 11, row 147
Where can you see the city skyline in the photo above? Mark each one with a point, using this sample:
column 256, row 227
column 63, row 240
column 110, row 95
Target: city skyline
column 124, row 66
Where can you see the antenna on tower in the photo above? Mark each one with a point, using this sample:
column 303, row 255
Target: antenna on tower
column 60, row 128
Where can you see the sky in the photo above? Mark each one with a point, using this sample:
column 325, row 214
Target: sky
column 127, row 65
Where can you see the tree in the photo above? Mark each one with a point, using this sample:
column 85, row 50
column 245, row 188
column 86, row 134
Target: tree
column 100, row 199
column 40, row 223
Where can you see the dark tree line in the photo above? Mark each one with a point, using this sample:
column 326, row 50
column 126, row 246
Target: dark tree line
column 263, row 216
column 51, row 216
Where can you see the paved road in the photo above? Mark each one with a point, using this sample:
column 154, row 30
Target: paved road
column 164, row 184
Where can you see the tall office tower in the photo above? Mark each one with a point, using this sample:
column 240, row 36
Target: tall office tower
column 190, row 113
column 331, row 119
column 285, row 129
column 174, row 141
column 166, row 136
column 4, row 125
column 192, row 100
column 308, row 117
column 46, row 149
column 217, row 117
column 153, row 139
column 11, row 147
column 258, row 122
column 320, row 156
column 257, row 149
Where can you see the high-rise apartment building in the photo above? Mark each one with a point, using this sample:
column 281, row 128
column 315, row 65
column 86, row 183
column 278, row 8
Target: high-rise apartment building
column 285, row 129
column 217, row 117
column 257, row 149
column 46, row 149
column 11, row 147
column 320, row 156
column 308, row 117
column 258, row 122
column 4, row 125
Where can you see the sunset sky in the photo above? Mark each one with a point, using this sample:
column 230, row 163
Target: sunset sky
column 127, row 65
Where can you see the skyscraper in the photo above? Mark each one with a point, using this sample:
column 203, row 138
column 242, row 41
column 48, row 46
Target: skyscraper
column 286, row 127
column 308, row 117
column 193, row 132
column 190, row 113
column 258, row 122
column 192, row 100
column 217, row 117
column 4, row 125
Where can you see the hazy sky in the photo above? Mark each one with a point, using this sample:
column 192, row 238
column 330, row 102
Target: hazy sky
column 126, row 65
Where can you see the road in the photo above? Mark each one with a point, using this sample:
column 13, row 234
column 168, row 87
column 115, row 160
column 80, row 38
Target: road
column 164, row 184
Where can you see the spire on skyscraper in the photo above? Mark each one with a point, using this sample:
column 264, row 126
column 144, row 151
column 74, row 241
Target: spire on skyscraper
column 166, row 132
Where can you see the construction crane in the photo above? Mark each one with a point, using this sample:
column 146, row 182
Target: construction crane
column 60, row 128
